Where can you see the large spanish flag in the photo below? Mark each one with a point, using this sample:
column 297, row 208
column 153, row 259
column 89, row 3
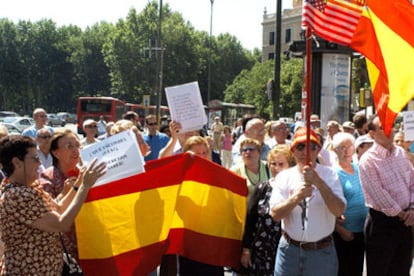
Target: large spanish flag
column 385, row 36
column 182, row 205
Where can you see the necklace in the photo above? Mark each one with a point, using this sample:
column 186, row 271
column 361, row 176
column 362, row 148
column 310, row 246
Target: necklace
column 255, row 178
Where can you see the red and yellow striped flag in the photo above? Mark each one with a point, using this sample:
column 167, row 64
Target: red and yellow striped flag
column 182, row 205
column 384, row 36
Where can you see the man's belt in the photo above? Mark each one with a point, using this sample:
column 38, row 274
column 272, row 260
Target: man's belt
column 325, row 242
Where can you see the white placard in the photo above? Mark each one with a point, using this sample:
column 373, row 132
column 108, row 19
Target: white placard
column 121, row 154
column 408, row 119
column 186, row 106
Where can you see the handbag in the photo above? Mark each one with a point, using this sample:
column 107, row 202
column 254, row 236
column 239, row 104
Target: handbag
column 70, row 265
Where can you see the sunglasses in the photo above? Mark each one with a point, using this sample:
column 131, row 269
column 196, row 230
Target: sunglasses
column 246, row 149
column 152, row 124
column 94, row 126
column 44, row 136
column 302, row 146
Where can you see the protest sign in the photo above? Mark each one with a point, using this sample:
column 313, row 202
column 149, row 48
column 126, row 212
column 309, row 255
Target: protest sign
column 408, row 119
column 186, row 106
column 121, row 154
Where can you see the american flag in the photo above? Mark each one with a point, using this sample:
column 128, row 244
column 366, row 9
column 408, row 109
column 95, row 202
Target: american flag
column 334, row 20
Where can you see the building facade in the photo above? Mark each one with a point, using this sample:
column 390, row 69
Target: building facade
column 290, row 30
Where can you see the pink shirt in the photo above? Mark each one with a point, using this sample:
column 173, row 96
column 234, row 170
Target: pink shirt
column 387, row 179
column 227, row 145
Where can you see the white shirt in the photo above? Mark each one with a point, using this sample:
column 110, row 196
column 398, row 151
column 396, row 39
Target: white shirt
column 320, row 221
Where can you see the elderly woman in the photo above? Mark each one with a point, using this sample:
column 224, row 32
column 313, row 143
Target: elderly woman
column 349, row 229
column 58, row 179
column 30, row 219
column 252, row 168
column 261, row 233
column 123, row 125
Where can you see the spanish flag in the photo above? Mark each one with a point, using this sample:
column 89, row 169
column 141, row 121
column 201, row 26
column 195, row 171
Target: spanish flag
column 183, row 205
column 384, row 36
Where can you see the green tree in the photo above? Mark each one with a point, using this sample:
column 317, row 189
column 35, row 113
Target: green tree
column 249, row 87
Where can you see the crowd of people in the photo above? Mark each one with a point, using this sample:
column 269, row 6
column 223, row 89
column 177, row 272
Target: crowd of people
column 318, row 207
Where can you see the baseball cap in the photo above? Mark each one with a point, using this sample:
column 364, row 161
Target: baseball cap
column 348, row 124
column 362, row 140
column 300, row 137
column 88, row 122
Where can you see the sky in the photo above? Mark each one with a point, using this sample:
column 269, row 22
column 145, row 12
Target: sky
column 241, row 18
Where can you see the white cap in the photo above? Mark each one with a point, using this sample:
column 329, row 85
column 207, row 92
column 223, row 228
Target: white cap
column 362, row 140
column 88, row 122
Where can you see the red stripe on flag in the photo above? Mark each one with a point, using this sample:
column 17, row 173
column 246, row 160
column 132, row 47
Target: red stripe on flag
column 171, row 171
column 135, row 262
column 203, row 248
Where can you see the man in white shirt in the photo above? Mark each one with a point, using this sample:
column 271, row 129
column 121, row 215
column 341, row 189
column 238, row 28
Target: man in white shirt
column 307, row 199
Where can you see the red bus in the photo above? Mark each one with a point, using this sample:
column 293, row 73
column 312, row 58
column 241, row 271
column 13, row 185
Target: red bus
column 93, row 107
column 143, row 112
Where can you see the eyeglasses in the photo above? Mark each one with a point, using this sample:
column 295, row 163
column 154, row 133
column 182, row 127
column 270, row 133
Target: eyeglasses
column 70, row 146
column 93, row 126
column 44, row 136
column 277, row 164
column 246, row 149
column 152, row 124
column 345, row 148
column 302, row 146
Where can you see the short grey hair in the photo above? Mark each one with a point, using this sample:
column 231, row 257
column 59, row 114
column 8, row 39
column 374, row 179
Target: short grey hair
column 341, row 137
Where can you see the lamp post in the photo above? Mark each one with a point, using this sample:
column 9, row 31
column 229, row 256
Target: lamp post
column 209, row 53
column 160, row 63
column 276, row 83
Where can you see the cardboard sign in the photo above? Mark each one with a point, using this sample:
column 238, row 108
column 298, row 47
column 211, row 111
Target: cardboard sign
column 121, row 154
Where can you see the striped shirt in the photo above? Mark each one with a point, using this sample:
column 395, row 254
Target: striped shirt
column 387, row 179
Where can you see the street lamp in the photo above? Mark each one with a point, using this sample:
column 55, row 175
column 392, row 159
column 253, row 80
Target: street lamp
column 209, row 53
column 276, row 83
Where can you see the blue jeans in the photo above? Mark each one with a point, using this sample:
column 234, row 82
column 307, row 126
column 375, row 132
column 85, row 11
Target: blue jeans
column 294, row 261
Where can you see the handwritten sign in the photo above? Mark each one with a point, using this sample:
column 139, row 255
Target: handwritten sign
column 408, row 119
column 121, row 154
column 186, row 106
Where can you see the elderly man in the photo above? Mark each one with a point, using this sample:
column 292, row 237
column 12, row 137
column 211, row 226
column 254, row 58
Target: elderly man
column 255, row 129
column 279, row 132
column 43, row 147
column 91, row 130
column 307, row 199
column 40, row 118
column 387, row 178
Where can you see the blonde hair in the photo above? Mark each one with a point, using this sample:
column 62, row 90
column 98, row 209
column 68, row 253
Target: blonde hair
column 251, row 141
column 284, row 150
column 195, row 140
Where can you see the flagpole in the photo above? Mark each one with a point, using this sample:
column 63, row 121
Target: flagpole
column 308, row 88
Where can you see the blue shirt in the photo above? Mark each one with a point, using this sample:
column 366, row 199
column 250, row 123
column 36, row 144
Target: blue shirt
column 156, row 143
column 32, row 131
column 356, row 211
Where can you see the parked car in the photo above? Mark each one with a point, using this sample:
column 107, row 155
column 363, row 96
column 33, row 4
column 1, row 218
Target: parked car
column 12, row 129
column 4, row 114
column 54, row 120
column 69, row 118
column 20, row 122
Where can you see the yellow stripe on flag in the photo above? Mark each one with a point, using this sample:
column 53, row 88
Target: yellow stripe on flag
column 115, row 225
column 400, row 74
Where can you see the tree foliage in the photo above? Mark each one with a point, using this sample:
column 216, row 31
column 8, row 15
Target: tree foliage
column 250, row 87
